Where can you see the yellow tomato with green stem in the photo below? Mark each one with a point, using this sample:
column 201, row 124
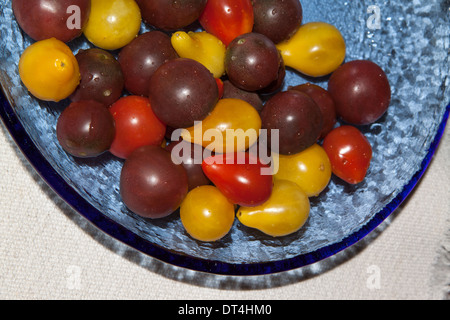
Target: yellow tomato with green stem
column 113, row 23
column 309, row 169
column 316, row 49
column 49, row 70
column 206, row 214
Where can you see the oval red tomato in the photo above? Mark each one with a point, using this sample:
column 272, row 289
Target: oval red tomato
column 136, row 126
column 240, row 177
column 349, row 152
column 227, row 19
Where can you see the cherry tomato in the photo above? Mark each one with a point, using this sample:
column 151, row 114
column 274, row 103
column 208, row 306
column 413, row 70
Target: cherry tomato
column 233, row 125
column 310, row 169
column 361, row 92
column 239, row 176
column 85, row 129
column 113, row 24
column 49, row 70
column 350, row 153
column 206, row 214
column 136, row 125
column 44, row 19
column 316, row 49
column 227, row 19
column 151, row 185
column 286, row 211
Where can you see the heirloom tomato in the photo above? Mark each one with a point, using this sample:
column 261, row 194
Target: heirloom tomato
column 286, row 211
column 49, row 70
column 350, row 153
column 113, row 24
column 240, row 177
column 206, row 214
column 136, row 125
column 227, row 19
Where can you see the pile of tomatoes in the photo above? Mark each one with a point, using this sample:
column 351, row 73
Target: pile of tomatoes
column 133, row 90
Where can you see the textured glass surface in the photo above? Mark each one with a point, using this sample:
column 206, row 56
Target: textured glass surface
column 411, row 44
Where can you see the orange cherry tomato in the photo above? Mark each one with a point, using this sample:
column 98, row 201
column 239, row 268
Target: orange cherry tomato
column 49, row 70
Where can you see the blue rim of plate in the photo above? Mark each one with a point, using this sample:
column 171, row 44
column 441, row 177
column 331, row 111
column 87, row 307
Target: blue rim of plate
column 122, row 234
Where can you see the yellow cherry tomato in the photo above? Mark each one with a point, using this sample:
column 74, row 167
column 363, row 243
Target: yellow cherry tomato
column 206, row 214
column 316, row 49
column 113, row 23
column 309, row 169
column 49, row 70
column 286, row 211
column 233, row 126
column 202, row 47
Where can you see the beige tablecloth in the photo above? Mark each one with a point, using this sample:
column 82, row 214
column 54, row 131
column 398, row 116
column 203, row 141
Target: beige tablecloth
column 47, row 251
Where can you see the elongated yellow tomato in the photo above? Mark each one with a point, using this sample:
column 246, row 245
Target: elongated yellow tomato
column 233, row 126
column 286, row 211
column 206, row 214
column 309, row 169
column 49, row 70
column 202, row 47
column 113, row 23
column 316, row 49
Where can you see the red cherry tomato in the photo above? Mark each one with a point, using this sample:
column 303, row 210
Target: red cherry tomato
column 136, row 126
column 227, row 19
column 240, row 177
column 349, row 152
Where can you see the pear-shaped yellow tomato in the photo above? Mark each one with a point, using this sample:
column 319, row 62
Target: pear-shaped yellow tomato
column 233, row 126
column 286, row 211
column 206, row 214
column 49, row 70
column 113, row 24
column 316, row 49
column 202, row 47
column 309, row 169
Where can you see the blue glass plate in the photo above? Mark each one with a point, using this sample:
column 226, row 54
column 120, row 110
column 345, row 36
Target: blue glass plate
column 410, row 42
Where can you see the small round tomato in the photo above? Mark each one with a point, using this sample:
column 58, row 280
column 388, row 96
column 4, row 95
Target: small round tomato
column 136, row 125
column 49, row 70
column 361, row 92
column 310, row 169
column 206, row 214
column 113, row 23
column 350, row 153
column 240, row 177
column 316, row 49
column 227, row 19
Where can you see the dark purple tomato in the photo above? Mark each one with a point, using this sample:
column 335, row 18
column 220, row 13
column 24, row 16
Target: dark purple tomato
column 44, row 19
column 278, row 20
column 142, row 57
column 151, row 185
column 171, row 14
column 233, row 92
column 297, row 118
column 325, row 102
column 85, row 129
column 101, row 77
column 278, row 83
column 191, row 158
column 252, row 62
column 361, row 92
column 182, row 91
